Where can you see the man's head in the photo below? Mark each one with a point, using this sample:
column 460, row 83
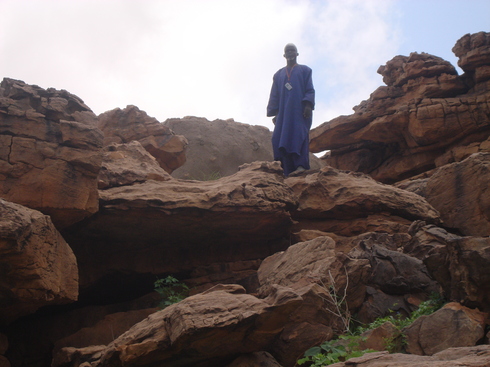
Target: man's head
column 290, row 52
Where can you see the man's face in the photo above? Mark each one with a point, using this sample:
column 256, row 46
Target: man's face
column 290, row 52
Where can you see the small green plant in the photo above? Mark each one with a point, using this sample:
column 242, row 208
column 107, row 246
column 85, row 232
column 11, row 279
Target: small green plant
column 333, row 351
column 337, row 350
column 171, row 290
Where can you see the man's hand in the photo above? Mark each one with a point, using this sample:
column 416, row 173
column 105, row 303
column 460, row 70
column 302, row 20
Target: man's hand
column 307, row 111
column 274, row 120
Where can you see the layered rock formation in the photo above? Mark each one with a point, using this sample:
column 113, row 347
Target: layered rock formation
column 49, row 151
column 425, row 117
column 276, row 265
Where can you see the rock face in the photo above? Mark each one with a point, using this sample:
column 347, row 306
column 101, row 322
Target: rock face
column 276, row 265
column 425, row 117
column 175, row 226
column 217, row 148
column 38, row 267
column 49, row 151
column 124, row 126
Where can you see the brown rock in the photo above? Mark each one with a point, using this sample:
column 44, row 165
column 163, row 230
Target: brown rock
column 378, row 338
column 126, row 164
column 349, row 203
column 39, row 268
column 206, row 329
column 459, row 192
column 50, row 151
column 478, row 356
column 174, row 226
column 451, row 326
column 124, row 126
column 425, row 116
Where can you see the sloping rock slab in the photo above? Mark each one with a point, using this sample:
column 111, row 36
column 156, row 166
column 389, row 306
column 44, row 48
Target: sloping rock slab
column 172, row 226
column 478, row 356
column 38, row 268
column 208, row 329
column 330, row 199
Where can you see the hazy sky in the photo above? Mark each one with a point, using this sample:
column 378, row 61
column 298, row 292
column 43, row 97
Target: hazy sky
column 215, row 58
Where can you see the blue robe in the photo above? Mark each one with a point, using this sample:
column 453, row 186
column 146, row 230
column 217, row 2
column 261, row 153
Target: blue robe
column 290, row 139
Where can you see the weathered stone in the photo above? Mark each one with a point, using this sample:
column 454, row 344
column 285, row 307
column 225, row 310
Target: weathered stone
column 124, row 126
column 217, row 148
column 478, row 356
column 451, row 326
column 378, row 338
column 38, row 266
column 207, row 329
column 126, row 164
column 50, row 154
column 426, row 116
column 174, row 226
column 459, row 191
column 350, row 203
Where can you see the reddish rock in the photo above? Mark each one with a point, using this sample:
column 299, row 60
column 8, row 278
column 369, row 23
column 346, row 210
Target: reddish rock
column 425, row 117
column 350, row 203
column 49, row 151
column 161, row 227
column 126, row 164
column 39, row 267
column 459, row 191
column 124, row 126
column 451, row 326
column 262, row 359
column 207, row 329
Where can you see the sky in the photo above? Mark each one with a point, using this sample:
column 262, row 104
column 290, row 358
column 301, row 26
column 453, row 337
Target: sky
column 216, row 58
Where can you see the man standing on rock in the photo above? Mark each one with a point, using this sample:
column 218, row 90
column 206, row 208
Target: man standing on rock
column 291, row 102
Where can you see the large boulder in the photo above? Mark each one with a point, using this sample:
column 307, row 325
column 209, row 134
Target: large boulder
column 208, row 329
column 351, row 203
column 459, row 191
column 159, row 227
column 49, row 151
column 38, row 266
column 451, row 326
column 426, row 116
column 129, row 124
column 218, row 148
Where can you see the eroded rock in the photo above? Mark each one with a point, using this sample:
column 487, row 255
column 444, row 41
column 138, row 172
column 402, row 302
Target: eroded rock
column 49, row 151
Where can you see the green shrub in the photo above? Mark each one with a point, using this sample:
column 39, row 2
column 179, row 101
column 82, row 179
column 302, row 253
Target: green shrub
column 171, row 290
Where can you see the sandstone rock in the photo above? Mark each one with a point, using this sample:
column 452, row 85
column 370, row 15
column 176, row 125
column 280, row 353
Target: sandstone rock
column 378, row 338
column 162, row 227
column 477, row 356
column 217, row 148
column 49, row 151
column 207, row 329
column 38, row 266
column 473, row 51
column 124, row 126
column 425, row 116
column 459, row 192
column 349, row 203
column 126, row 164
column 451, row 326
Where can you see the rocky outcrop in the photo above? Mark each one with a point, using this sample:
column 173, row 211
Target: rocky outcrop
column 425, row 117
column 49, row 151
column 218, row 148
column 124, row 126
column 38, row 267
column 191, row 332
column 350, row 203
column 176, row 226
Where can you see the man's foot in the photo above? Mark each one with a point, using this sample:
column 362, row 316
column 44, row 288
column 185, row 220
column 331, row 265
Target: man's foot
column 297, row 171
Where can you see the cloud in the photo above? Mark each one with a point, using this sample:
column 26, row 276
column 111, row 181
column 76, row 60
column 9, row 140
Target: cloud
column 212, row 58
